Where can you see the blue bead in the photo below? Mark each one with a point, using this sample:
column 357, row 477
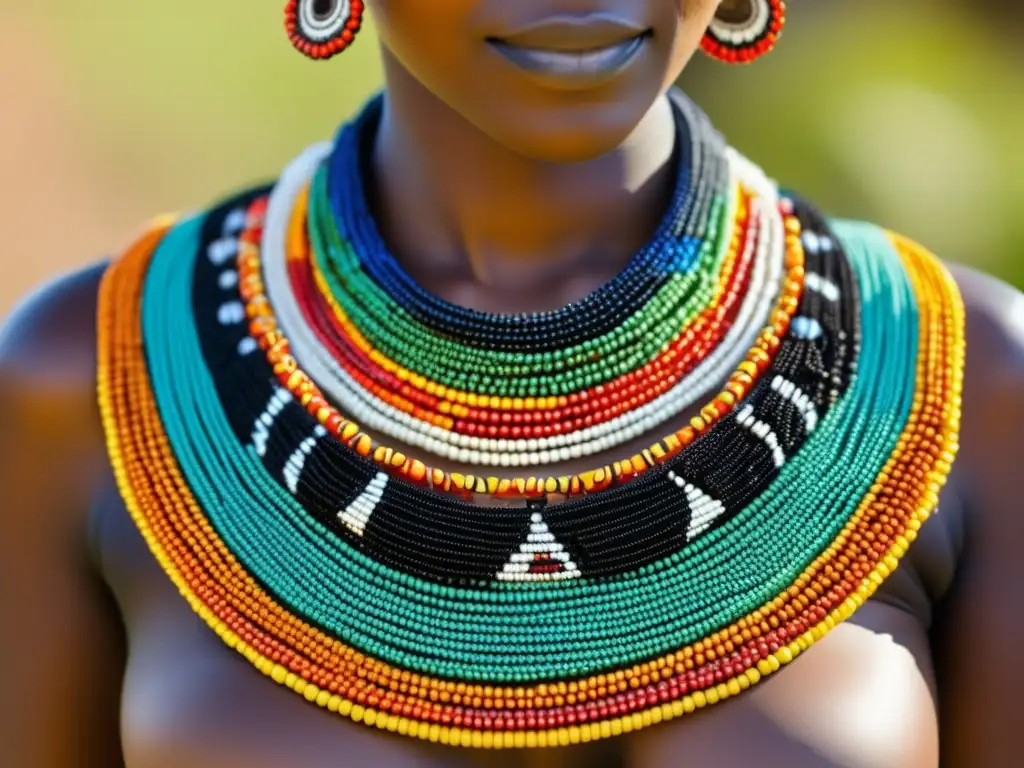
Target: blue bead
column 806, row 328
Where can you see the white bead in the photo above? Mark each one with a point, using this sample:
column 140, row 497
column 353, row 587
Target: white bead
column 227, row 279
column 231, row 313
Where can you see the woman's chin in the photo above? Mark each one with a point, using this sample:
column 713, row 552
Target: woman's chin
column 572, row 132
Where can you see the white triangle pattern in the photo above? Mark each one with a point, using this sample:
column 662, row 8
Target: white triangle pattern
column 540, row 557
column 746, row 418
column 357, row 514
column 704, row 510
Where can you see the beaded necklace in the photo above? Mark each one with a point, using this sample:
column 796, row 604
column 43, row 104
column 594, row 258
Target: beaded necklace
column 408, row 609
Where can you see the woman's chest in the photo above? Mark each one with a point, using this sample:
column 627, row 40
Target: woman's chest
column 861, row 697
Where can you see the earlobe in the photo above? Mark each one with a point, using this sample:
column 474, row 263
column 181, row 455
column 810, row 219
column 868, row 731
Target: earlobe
column 321, row 29
column 744, row 30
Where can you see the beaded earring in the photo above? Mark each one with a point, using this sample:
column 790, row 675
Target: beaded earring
column 744, row 30
column 321, row 29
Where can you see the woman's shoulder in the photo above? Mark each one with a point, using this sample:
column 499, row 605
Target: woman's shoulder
column 48, row 341
column 53, row 327
column 54, row 452
column 49, row 338
column 992, row 312
column 993, row 309
column 995, row 318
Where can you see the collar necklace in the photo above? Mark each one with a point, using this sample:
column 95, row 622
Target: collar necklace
column 243, row 348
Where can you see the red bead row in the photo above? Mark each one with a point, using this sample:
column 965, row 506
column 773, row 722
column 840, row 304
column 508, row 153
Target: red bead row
column 580, row 410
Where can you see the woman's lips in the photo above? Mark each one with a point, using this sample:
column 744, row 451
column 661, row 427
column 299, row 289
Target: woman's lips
column 573, row 52
column 585, row 63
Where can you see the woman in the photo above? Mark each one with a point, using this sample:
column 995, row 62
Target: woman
column 642, row 434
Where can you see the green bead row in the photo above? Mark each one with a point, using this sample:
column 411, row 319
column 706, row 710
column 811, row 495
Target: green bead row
column 404, row 339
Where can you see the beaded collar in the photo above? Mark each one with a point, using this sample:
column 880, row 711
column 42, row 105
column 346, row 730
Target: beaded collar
column 232, row 342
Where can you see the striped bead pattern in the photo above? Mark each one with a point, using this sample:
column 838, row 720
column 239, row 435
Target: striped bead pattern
column 350, row 572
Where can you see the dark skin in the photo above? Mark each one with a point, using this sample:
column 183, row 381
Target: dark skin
column 526, row 200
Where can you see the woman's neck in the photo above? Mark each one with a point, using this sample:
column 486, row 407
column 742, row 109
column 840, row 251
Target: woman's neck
column 458, row 208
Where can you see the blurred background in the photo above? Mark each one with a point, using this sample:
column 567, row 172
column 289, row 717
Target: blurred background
column 909, row 114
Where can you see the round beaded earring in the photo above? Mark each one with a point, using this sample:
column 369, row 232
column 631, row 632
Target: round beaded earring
column 744, row 30
column 321, row 29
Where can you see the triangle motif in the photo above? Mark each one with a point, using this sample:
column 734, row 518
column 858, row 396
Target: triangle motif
column 540, row 557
